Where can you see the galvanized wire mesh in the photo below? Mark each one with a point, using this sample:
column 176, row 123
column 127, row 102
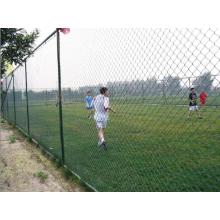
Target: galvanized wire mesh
column 42, row 75
column 20, row 98
column 10, row 101
column 152, row 144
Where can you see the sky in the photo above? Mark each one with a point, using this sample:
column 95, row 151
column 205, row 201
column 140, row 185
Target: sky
column 96, row 56
column 44, row 32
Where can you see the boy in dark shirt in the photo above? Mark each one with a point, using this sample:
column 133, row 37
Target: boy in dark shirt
column 193, row 103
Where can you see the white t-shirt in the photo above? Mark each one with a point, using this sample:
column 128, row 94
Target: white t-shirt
column 101, row 104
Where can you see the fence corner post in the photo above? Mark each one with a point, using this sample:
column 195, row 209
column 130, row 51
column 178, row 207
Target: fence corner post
column 14, row 100
column 60, row 97
column 27, row 102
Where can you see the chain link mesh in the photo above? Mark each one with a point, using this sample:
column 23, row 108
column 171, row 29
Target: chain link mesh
column 152, row 144
column 20, row 98
column 44, row 117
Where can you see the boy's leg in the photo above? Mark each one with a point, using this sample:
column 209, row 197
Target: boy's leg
column 198, row 112
column 101, row 135
column 103, row 143
column 90, row 113
column 189, row 114
column 101, row 128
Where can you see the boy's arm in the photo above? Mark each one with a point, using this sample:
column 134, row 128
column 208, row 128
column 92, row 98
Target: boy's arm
column 111, row 109
column 190, row 97
column 107, row 107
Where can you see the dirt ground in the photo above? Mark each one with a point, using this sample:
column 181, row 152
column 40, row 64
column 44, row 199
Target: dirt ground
column 23, row 167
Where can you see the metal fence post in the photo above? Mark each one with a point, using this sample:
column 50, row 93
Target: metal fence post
column 26, row 88
column 60, row 97
column 164, row 92
column 1, row 89
column 46, row 103
column 6, row 96
column 14, row 100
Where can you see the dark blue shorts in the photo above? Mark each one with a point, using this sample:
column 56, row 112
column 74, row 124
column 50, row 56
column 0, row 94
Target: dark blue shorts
column 89, row 108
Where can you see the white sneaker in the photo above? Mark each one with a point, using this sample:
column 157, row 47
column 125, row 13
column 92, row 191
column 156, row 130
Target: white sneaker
column 99, row 143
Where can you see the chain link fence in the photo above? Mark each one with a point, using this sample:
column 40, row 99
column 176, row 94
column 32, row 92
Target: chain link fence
column 152, row 144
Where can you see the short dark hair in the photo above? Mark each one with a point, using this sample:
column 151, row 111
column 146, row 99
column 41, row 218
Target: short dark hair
column 88, row 92
column 192, row 89
column 103, row 90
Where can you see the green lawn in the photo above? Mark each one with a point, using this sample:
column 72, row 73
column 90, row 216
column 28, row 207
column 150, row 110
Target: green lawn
column 151, row 148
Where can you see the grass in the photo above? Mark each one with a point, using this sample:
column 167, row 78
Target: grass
column 12, row 139
column 41, row 175
column 151, row 148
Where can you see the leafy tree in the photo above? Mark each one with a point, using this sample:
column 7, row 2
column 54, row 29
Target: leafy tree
column 172, row 84
column 203, row 82
column 16, row 44
column 151, row 87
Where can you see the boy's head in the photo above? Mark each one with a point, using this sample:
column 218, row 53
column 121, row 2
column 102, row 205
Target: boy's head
column 104, row 91
column 88, row 93
column 192, row 90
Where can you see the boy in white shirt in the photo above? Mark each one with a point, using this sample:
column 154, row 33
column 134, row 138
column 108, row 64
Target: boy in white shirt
column 101, row 106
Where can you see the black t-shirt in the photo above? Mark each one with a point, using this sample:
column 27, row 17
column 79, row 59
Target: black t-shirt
column 192, row 99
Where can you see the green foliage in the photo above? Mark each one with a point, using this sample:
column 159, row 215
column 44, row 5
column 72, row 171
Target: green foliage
column 203, row 82
column 41, row 175
column 16, row 44
column 12, row 139
column 171, row 85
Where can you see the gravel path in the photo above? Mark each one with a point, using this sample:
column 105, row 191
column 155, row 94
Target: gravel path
column 23, row 168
